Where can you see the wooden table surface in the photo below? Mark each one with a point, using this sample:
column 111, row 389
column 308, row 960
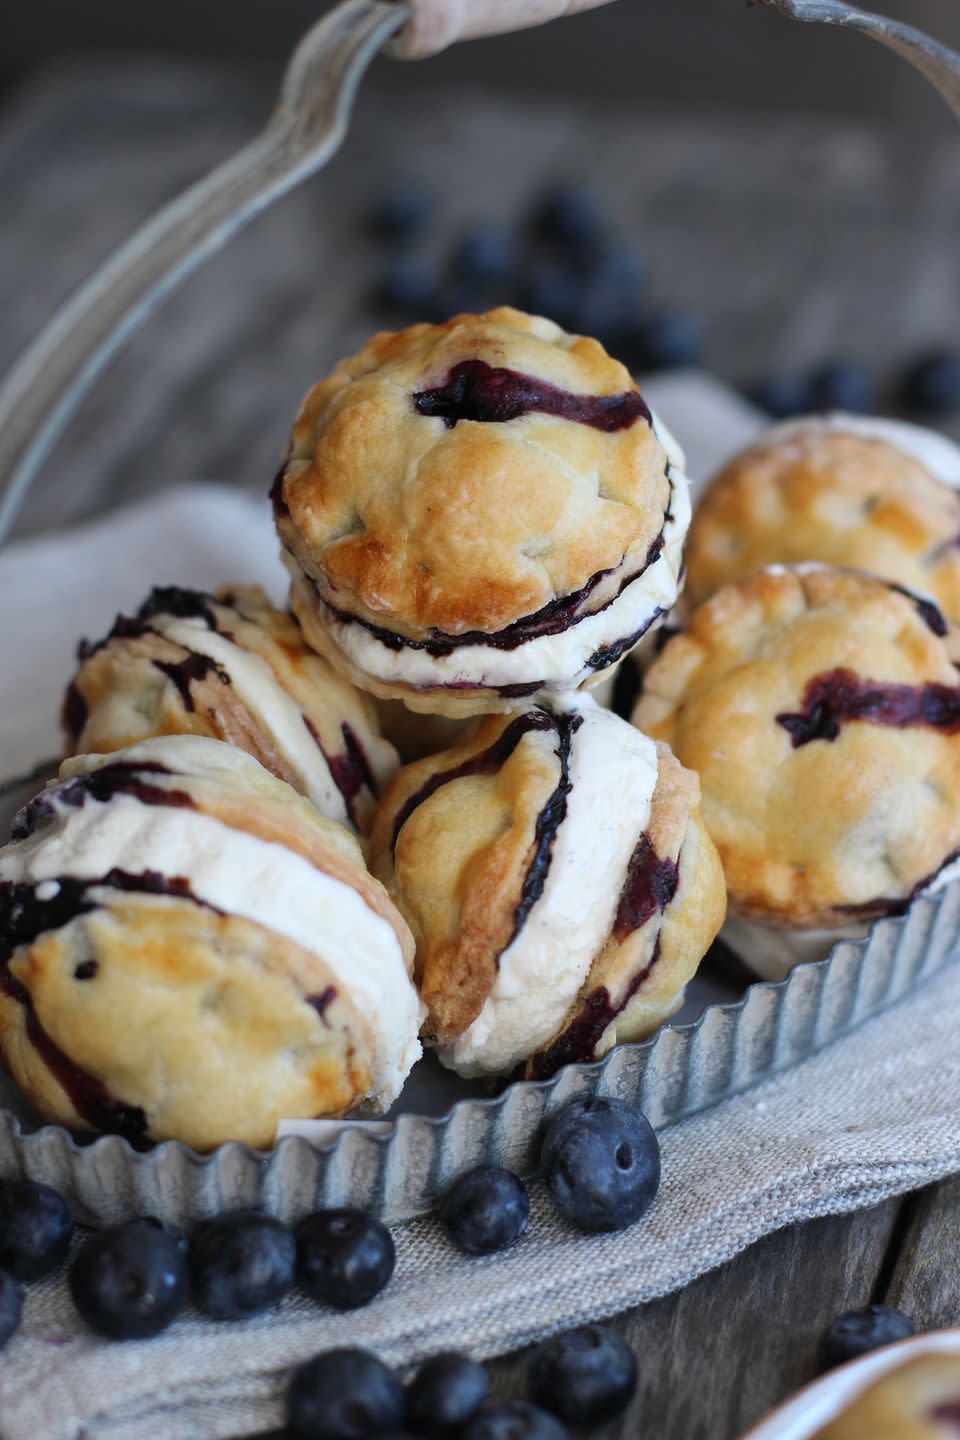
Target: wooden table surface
column 796, row 239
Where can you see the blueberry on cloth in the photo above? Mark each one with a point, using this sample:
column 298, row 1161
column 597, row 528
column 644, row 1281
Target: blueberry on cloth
column 783, row 396
column 35, row 1229
column 241, row 1263
column 843, row 385
column 485, row 1210
column 514, row 1420
column 401, row 211
column 11, row 1306
column 446, row 1392
column 344, row 1257
column 600, row 1162
column 344, row 1395
column 585, row 1376
column 131, row 1281
column 931, row 384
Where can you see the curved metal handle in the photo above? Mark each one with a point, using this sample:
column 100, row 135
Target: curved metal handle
column 306, row 129
column 937, row 63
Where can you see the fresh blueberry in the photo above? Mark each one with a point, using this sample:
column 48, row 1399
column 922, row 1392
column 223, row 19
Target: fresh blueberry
column 344, row 1257
column 514, row 1420
column 617, row 269
column 401, row 211
column 570, row 217
column 601, row 1163
column 782, row 395
column 485, row 1210
column 35, row 1229
column 445, row 1394
column 406, row 284
column 131, row 1281
column 931, row 385
column 485, row 253
column 344, row 1395
column 585, row 1376
column 242, row 1263
column 843, row 385
column 664, row 341
column 860, row 1331
column 555, row 291
column 11, row 1305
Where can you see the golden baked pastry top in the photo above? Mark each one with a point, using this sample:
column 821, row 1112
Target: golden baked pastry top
column 844, row 498
column 462, row 476
column 821, row 711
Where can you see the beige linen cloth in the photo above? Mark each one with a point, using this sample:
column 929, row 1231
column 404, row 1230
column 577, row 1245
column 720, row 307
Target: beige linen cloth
column 873, row 1116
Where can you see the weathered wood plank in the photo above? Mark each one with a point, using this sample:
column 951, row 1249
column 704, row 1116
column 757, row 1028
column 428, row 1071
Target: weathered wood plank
column 925, row 1283
column 719, row 1354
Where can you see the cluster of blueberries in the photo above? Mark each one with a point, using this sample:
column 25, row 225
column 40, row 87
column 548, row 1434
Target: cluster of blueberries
column 600, row 1164
column 564, row 261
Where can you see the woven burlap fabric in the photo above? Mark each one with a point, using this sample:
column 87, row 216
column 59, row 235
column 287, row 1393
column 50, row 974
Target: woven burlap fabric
column 873, row 1116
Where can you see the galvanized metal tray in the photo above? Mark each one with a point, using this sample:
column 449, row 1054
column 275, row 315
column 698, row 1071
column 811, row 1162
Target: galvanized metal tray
column 440, row 1128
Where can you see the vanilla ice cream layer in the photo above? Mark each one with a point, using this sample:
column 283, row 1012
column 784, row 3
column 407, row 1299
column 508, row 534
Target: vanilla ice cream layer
column 240, row 874
column 772, row 953
column 935, row 452
column 612, row 773
column 556, row 661
column 275, row 711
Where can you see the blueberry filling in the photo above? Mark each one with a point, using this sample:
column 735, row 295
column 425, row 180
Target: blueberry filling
column 74, row 713
column 946, row 1414
column 608, row 655
column 650, row 886
column 549, row 820
column 280, row 507
column 122, row 778
column 929, row 612
column 838, row 696
column 487, row 762
column 350, row 771
column 580, row 1039
column 24, row 916
column 322, row 1002
column 474, row 390
column 193, row 667
column 182, row 604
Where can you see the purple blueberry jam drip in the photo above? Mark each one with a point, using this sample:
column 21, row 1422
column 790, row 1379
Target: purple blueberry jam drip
column 610, row 654
column 280, row 507
column 322, row 1002
column 24, row 917
column 193, row 667
column 929, row 613
column 840, row 696
column 649, row 888
column 122, row 778
column 74, row 713
column 350, row 770
column 578, row 1043
column 182, row 604
column 487, row 762
column 474, row 390
column 549, row 820
column 896, row 904
column 946, row 1414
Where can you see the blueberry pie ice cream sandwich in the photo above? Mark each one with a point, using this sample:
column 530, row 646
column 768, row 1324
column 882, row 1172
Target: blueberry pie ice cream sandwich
column 479, row 512
column 919, row 1400
column 232, row 667
column 877, row 495
column 559, row 882
column 189, row 950
column 821, row 710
